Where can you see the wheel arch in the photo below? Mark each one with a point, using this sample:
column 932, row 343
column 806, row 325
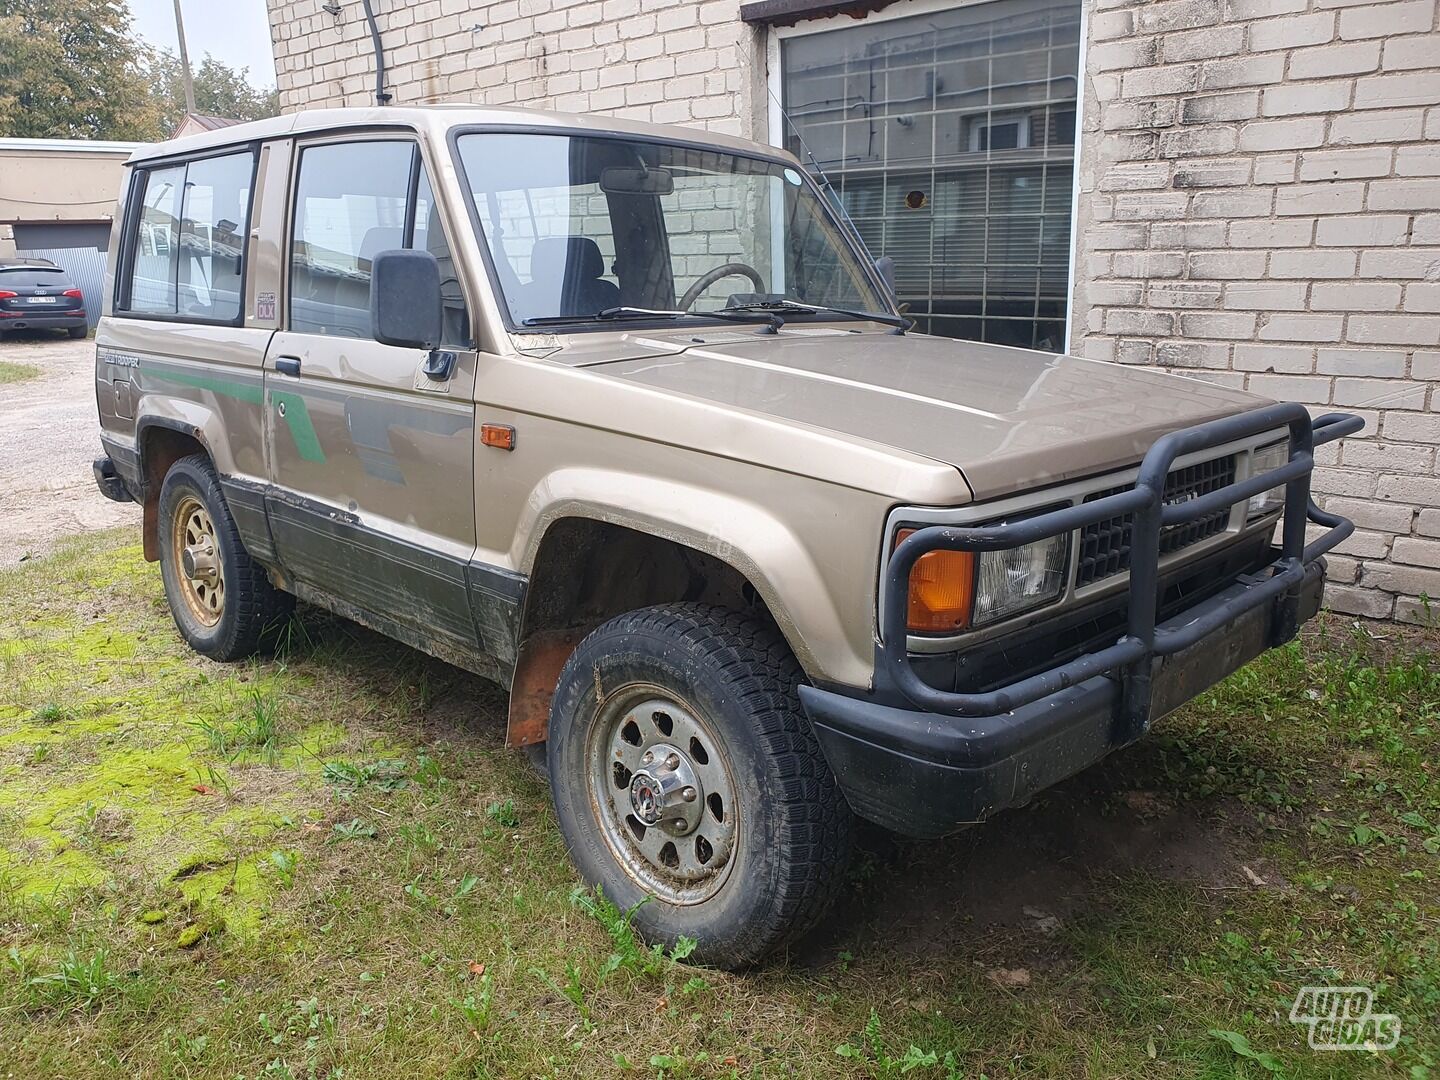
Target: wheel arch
column 160, row 441
column 588, row 563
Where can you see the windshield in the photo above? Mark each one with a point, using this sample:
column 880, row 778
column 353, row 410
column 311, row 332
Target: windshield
column 577, row 226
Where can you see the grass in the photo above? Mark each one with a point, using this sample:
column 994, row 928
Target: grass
column 13, row 373
column 327, row 864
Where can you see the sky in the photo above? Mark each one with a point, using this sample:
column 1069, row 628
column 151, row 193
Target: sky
column 233, row 31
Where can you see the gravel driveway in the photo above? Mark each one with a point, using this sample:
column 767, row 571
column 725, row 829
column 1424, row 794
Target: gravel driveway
column 48, row 438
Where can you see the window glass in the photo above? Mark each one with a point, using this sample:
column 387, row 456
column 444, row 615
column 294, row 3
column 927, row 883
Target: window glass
column 578, row 225
column 951, row 139
column 430, row 236
column 156, row 247
column 349, row 206
column 31, row 275
column 212, row 236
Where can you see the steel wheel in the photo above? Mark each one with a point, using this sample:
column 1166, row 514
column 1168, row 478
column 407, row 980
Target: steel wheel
column 662, row 790
column 197, row 561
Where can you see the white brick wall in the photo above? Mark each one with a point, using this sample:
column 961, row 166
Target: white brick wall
column 1260, row 193
column 1260, row 181
column 668, row 61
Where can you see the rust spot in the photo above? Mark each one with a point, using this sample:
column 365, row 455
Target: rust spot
column 542, row 656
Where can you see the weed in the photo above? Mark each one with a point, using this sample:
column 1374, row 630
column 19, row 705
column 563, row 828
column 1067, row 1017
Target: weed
column 1240, row 1046
column 350, row 777
column 418, row 835
column 504, row 813
column 354, row 829
column 13, row 373
column 284, row 864
column 77, row 981
column 873, row 1047
column 475, row 1008
column 427, row 771
column 629, row 953
column 258, row 728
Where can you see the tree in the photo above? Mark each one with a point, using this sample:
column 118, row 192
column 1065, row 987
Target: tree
column 220, row 90
column 71, row 69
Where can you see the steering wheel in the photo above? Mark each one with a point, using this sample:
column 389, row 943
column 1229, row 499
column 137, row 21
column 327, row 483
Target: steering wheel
column 705, row 280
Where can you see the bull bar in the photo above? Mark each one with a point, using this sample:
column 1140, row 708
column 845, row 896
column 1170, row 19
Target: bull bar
column 1131, row 657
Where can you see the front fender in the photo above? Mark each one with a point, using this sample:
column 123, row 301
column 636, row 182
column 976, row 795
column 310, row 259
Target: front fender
column 811, row 584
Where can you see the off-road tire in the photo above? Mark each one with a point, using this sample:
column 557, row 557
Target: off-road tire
column 794, row 827
column 254, row 610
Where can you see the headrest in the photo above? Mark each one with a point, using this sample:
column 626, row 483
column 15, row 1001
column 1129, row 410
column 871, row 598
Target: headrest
column 382, row 239
column 559, row 258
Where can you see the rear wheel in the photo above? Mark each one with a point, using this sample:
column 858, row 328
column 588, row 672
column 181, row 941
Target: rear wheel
column 78, row 332
column 222, row 600
column 684, row 771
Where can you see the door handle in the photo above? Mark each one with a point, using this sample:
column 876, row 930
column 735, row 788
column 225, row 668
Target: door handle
column 287, row 365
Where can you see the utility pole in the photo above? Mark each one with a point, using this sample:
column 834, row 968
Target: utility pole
column 184, row 62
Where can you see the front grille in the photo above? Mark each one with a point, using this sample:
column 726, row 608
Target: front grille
column 1105, row 545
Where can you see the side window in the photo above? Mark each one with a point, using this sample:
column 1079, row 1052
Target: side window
column 350, row 204
column 212, row 236
column 155, row 249
column 186, row 256
column 429, row 235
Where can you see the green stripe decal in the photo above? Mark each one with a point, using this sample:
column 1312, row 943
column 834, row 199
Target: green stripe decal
column 296, row 417
column 302, row 429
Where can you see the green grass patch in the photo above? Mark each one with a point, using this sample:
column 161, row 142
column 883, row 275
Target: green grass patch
column 11, row 372
column 326, row 864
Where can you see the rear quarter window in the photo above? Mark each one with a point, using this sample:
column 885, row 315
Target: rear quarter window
column 185, row 245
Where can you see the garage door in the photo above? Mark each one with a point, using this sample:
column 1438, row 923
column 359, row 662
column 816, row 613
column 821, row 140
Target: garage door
column 77, row 248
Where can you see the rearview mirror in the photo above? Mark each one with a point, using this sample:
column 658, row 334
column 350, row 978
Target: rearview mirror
column 405, row 305
column 618, row 181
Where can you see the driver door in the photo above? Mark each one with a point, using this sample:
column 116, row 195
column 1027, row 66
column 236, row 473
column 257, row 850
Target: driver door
column 371, row 462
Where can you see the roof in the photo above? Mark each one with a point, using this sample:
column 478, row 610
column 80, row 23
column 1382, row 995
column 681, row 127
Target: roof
column 193, row 123
column 212, row 123
column 437, row 119
column 38, row 264
column 69, row 146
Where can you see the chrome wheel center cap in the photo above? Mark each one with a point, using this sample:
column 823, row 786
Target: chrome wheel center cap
column 665, row 791
column 198, row 561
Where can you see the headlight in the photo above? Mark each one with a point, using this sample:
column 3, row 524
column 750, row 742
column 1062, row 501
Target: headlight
column 956, row 590
column 1262, row 461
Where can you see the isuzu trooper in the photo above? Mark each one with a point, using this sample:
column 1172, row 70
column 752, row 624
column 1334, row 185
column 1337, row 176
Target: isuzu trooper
column 623, row 417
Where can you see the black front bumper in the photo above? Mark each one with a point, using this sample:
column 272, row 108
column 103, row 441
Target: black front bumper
column 927, row 774
column 926, row 760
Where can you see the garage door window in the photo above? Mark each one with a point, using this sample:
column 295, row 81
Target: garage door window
column 950, row 138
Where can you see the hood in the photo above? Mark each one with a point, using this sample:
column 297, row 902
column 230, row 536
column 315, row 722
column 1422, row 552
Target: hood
column 1008, row 419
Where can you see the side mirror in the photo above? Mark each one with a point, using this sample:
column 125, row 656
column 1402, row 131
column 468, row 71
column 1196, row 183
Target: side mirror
column 405, row 304
column 885, row 267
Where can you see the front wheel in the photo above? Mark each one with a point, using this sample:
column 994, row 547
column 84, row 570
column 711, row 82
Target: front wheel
column 222, row 600
column 684, row 771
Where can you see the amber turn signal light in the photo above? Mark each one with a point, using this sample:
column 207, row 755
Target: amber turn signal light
column 500, row 436
column 942, row 590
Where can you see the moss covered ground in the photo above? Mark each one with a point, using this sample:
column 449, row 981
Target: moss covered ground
column 324, row 864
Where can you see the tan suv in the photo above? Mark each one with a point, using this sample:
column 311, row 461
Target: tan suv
column 622, row 417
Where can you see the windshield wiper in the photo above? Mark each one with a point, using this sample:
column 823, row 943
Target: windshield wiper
column 612, row 313
column 885, row 318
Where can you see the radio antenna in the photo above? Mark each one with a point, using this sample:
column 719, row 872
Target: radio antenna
column 829, row 189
